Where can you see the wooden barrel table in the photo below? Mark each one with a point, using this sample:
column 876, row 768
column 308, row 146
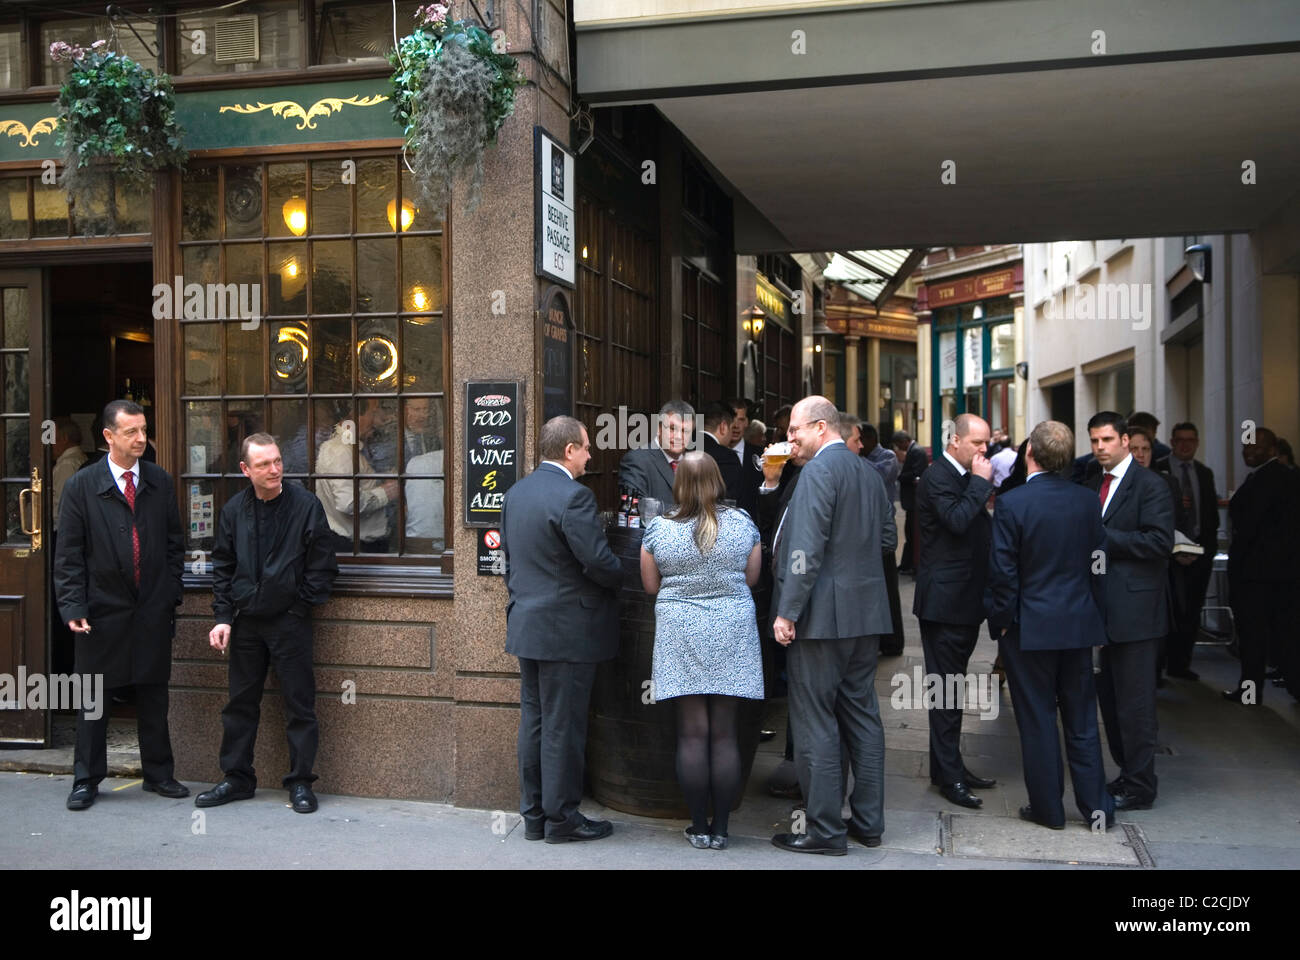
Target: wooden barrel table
column 631, row 742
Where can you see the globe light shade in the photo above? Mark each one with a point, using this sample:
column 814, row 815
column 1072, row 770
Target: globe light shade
column 408, row 214
column 295, row 215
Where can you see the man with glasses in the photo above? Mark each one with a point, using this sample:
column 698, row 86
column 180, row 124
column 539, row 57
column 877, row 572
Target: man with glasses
column 826, row 559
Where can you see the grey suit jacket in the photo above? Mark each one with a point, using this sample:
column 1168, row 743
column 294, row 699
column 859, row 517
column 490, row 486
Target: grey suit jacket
column 560, row 573
column 828, row 550
column 647, row 471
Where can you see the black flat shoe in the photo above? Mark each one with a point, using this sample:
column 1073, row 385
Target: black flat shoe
column 224, row 792
column 535, row 833
column 979, row 783
column 302, row 799
column 82, row 796
column 172, row 789
column 1239, row 696
column 587, row 830
column 960, row 794
column 1115, row 787
column 865, row 839
column 1027, row 813
column 806, row 843
column 1131, row 801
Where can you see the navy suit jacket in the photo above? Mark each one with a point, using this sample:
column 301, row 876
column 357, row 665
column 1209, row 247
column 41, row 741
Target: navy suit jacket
column 1139, row 525
column 1045, row 535
column 561, row 576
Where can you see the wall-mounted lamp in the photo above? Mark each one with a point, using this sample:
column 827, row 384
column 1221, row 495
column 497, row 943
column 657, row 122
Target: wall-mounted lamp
column 408, row 214
column 817, row 347
column 1022, row 370
column 1198, row 258
column 754, row 320
column 977, row 313
column 295, row 215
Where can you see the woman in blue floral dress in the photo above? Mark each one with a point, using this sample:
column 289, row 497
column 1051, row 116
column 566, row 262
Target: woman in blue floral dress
column 701, row 560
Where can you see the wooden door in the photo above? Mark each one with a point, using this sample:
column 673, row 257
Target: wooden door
column 23, row 456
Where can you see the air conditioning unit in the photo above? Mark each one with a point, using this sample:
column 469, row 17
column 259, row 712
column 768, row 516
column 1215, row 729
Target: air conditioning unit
column 237, row 40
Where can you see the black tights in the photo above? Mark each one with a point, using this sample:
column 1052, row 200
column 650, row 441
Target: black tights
column 708, row 759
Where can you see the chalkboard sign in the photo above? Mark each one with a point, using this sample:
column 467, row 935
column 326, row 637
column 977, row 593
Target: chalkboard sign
column 557, row 355
column 493, row 428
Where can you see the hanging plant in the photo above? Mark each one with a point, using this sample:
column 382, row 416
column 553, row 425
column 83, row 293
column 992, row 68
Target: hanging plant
column 117, row 125
column 452, row 89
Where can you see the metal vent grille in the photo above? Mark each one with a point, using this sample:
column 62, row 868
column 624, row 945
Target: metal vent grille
column 237, row 40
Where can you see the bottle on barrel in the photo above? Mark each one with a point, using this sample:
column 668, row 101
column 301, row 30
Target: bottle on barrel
column 634, row 514
column 622, row 508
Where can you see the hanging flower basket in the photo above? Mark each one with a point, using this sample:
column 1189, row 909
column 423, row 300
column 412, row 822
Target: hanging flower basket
column 452, row 89
column 117, row 125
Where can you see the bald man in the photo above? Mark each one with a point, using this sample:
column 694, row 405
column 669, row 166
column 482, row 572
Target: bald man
column 950, row 575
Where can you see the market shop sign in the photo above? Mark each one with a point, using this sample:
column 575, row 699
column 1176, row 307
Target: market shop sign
column 493, row 422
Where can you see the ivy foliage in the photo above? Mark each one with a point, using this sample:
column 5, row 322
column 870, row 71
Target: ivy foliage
column 117, row 124
column 451, row 92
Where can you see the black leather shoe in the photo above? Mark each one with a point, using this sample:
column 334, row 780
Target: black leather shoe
column 1132, row 801
column 1238, row 696
column 865, row 839
column 82, row 796
column 791, row 792
column 960, row 794
column 766, row 735
column 1027, row 813
column 223, row 792
column 168, row 788
column 1116, row 786
column 535, row 833
column 587, row 830
column 302, row 799
column 1184, row 674
column 807, row 843
column 979, row 783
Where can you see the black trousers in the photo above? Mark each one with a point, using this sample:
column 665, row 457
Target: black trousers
column 947, row 649
column 833, row 696
column 1126, row 691
column 892, row 644
column 909, row 543
column 284, row 642
column 1042, row 681
column 90, row 757
column 552, row 745
column 1264, row 614
column 1187, row 587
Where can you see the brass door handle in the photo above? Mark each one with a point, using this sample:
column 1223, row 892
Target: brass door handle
column 29, row 505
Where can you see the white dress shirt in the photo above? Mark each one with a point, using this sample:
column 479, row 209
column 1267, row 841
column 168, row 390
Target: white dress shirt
column 120, row 472
column 556, row 463
column 961, row 471
column 1117, row 472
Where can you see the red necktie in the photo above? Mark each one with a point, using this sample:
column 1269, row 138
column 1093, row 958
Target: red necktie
column 135, row 531
column 1105, row 489
column 673, row 464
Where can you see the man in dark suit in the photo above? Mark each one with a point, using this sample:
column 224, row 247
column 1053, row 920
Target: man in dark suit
column 1141, row 418
column 1137, row 512
column 1045, row 605
column 884, row 462
column 561, row 620
column 1263, row 567
column 1197, row 511
column 649, row 471
column 950, row 575
column 117, row 572
column 912, row 457
column 717, row 429
column 751, row 475
column 827, row 552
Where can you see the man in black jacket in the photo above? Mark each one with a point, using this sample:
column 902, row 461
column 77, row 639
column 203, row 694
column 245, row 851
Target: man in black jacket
column 717, row 436
column 117, row 576
column 1197, row 512
column 1137, row 513
column 273, row 561
column 1263, row 567
column 950, row 577
column 912, row 457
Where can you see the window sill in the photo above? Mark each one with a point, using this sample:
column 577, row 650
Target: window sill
column 373, row 580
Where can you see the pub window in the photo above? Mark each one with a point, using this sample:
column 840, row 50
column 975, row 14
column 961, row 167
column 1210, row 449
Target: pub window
column 355, row 32
column 239, row 39
column 83, row 31
column 30, row 208
column 11, row 57
column 346, row 365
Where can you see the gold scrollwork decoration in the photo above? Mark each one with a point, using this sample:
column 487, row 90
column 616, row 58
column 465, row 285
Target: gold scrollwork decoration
column 291, row 109
column 16, row 128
